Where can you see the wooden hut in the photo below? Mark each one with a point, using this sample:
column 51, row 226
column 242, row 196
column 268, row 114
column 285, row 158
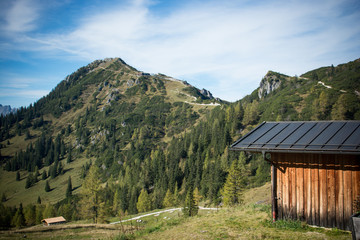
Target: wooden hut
column 53, row 221
column 315, row 168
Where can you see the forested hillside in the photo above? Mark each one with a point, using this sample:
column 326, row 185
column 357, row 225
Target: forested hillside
column 129, row 138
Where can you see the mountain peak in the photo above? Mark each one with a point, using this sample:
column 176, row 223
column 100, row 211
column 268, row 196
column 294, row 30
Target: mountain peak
column 6, row 109
column 270, row 82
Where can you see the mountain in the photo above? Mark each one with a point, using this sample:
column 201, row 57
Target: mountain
column 5, row 110
column 152, row 132
column 106, row 112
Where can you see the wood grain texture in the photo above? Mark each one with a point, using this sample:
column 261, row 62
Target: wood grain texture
column 319, row 189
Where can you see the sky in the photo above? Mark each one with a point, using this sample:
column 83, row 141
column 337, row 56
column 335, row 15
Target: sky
column 224, row 46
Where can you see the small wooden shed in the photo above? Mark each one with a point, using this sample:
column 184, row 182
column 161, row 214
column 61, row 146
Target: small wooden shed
column 53, row 221
column 315, row 168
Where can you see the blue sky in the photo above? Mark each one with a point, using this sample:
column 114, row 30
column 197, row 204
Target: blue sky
column 223, row 46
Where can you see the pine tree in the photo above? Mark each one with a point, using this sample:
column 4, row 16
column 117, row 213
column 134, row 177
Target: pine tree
column 190, row 208
column 69, row 188
column 144, row 203
column 47, row 186
column 235, row 182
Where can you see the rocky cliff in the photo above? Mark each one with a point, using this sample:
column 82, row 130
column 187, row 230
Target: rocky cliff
column 270, row 83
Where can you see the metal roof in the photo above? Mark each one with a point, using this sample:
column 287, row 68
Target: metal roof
column 54, row 220
column 338, row 137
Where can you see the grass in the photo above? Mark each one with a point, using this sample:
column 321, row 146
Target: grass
column 247, row 222
column 252, row 221
column 16, row 193
column 68, row 231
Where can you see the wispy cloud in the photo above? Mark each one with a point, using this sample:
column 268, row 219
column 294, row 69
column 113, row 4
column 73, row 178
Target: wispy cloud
column 32, row 94
column 226, row 45
column 21, row 16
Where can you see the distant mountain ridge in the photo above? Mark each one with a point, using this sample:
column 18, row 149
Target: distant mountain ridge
column 6, row 109
column 154, row 132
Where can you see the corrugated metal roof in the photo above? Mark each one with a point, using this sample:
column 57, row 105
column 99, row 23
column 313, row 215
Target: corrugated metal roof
column 312, row 137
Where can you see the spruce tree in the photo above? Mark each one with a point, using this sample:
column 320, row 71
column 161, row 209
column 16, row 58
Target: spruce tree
column 235, row 182
column 190, row 207
column 38, row 200
column 28, row 182
column 68, row 160
column 17, row 176
column 69, row 188
column 47, row 186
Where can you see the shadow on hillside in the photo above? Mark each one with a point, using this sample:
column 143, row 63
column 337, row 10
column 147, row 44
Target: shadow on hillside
column 67, row 170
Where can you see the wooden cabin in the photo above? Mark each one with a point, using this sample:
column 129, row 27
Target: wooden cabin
column 53, row 221
column 315, row 168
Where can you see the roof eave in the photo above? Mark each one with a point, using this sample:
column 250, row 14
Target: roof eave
column 268, row 150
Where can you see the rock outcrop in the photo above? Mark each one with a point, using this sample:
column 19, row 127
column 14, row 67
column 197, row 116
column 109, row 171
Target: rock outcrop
column 269, row 83
column 206, row 93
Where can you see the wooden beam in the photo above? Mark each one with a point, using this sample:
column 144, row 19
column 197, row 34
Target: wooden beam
column 273, row 192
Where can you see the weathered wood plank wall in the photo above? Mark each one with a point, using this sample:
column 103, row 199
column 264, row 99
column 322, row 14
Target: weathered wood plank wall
column 317, row 188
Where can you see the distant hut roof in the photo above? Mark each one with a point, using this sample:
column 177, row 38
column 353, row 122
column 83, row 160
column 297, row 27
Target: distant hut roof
column 339, row 137
column 54, row 220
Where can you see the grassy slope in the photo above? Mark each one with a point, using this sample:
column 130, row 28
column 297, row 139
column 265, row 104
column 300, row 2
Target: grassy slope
column 252, row 221
column 16, row 192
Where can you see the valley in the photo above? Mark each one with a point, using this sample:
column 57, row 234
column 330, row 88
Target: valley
column 128, row 142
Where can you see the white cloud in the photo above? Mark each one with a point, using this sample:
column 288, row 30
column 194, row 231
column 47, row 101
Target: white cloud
column 13, row 85
column 233, row 43
column 32, row 94
column 21, row 16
